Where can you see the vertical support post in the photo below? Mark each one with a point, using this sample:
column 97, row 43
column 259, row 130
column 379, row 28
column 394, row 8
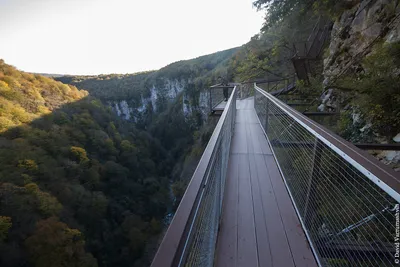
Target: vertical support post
column 266, row 116
column 222, row 169
column 312, row 184
column 286, row 85
column 211, row 109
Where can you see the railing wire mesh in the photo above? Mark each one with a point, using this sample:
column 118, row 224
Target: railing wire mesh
column 349, row 220
column 217, row 95
column 200, row 244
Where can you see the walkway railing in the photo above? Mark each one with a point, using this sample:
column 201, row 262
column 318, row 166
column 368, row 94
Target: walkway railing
column 191, row 237
column 217, row 94
column 347, row 201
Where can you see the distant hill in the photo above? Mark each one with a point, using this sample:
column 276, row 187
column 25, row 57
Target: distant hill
column 50, row 75
column 203, row 71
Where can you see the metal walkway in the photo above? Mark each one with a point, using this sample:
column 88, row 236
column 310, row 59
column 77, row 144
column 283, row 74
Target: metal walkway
column 274, row 188
column 259, row 225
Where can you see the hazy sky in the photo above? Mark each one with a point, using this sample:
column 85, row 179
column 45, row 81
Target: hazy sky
column 119, row 36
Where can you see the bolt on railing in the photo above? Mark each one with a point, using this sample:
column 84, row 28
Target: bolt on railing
column 346, row 200
column 191, row 237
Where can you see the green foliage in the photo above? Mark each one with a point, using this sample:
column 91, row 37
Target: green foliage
column 28, row 165
column 25, row 96
column 79, row 154
column 201, row 71
column 269, row 53
column 5, row 225
column 53, row 244
column 376, row 91
column 46, row 203
column 112, row 86
column 277, row 11
column 78, row 167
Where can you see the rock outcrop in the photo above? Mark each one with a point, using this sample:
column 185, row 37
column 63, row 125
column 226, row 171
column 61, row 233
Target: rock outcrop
column 161, row 93
column 356, row 31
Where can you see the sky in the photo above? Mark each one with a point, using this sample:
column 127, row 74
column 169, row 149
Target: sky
column 119, row 36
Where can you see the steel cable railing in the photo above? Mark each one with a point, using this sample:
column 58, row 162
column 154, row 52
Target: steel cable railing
column 346, row 202
column 217, row 95
column 192, row 235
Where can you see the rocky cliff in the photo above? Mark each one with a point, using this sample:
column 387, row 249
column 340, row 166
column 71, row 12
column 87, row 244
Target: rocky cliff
column 183, row 83
column 363, row 76
column 169, row 91
column 356, row 32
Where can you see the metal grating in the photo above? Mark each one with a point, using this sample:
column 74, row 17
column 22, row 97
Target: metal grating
column 348, row 218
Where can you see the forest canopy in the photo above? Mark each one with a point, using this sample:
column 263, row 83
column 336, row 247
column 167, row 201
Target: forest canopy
column 78, row 186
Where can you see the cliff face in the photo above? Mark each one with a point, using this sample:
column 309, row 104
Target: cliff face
column 161, row 95
column 129, row 109
column 355, row 54
column 183, row 83
column 356, row 31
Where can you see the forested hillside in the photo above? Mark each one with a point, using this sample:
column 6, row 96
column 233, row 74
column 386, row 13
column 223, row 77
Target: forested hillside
column 171, row 104
column 78, row 186
column 82, row 186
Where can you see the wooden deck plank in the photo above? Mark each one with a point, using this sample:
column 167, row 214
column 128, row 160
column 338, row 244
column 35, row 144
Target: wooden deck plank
column 226, row 252
column 240, row 117
column 259, row 142
column 247, row 245
column 259, row 226
column 263, row 246
column 239, row 144
column 251, row 147
column 301, row 251
column 257, row 132
column 251, row 116
column 239, row 104
column 280, row 250
column 248, row 103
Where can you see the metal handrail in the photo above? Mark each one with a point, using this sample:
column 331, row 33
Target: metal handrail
column 176, row 242
column 380, row 174
column 216, row 95
column 345, row 199
column 383, row 176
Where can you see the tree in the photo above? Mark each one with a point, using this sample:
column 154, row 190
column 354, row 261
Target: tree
column 79, row 154
column 53, row 244
column 5, row 225
column 277, row 10
column 46, row 203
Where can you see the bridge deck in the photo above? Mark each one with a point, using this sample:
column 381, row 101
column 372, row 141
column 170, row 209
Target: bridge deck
column 259, row 225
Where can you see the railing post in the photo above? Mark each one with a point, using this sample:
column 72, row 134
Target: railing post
column 210, row 101
column 312, row 183
column 266, row 116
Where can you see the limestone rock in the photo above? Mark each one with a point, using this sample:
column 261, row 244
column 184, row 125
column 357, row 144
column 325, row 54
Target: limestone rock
column 356, row 29
column 397, row 138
